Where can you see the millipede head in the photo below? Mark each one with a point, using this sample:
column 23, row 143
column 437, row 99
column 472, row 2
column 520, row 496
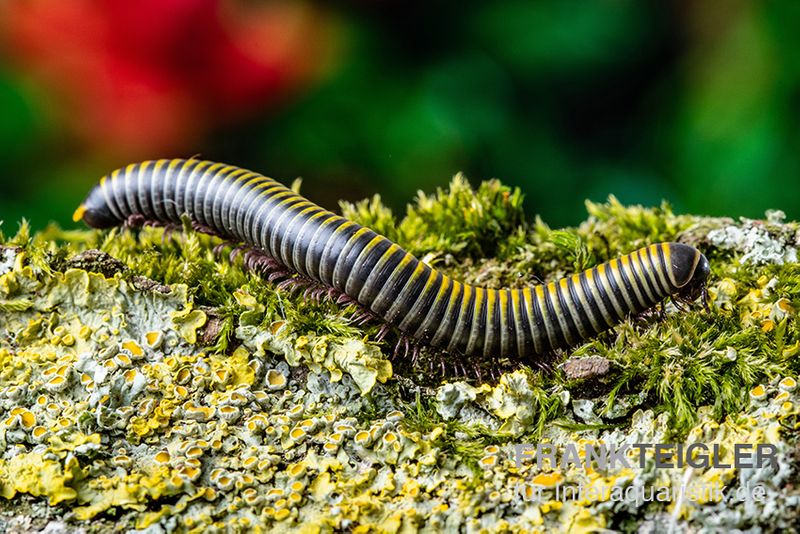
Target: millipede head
column 690, row 270
column 95, row 212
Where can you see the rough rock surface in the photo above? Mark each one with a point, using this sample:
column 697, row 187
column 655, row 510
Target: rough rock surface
column 146, row 384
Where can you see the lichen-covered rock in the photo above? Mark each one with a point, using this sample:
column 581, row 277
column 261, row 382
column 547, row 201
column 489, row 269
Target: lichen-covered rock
column 147, row 384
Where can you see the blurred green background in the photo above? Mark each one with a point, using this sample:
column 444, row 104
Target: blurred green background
column 694, row 102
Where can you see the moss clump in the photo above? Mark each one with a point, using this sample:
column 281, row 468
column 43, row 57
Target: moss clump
column 163, row 384
column 458, row 221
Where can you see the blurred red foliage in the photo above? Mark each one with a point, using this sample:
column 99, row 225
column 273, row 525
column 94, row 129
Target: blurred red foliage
column 147, row 77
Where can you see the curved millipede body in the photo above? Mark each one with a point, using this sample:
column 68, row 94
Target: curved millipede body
column 420, row 301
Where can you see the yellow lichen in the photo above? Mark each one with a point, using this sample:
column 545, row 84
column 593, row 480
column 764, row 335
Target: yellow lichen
column 187, row 322
column 32, row 473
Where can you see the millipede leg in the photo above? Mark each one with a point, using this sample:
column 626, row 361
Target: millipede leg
column 341, row 298
column 384, row 329
column 319, row 294
column 135, row 220
column 203, row 229
column 396, row 350
column 491, row 373
column 704, row 298
column 236, row 251
column 217, row 250
column 476, row 368
column 264, row 265
column 311, row 294
column 678, row 304
column 415, row 350
column 542, row 363
column 362, row 316
column 649, row 313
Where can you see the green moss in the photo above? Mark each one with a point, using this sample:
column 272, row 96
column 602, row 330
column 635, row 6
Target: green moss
column 460, row 220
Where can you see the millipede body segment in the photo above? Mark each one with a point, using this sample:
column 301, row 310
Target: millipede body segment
column 420, row 301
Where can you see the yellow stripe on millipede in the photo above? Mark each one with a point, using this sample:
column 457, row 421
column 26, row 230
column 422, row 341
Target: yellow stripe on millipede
column 158, row 166
column 519, row 327
column 480, row 301
column 376, row 272
column 541, row 304
column 552, row 291
column 453, row 293
column 492, row 298
column 534, row 331
column 399, row 300
column 108, row 195
column 618, row 278
column 563, row 286
column 458, row 328
column 584, row 302
column 641, row 275
column 594, row 287
column 601, row 271
column 362, row 256
column 665, row 249
column 662, row 276
column 423, row 295
column 390, row 282
column 626, row 264
column 502, row 298
column 296, row 259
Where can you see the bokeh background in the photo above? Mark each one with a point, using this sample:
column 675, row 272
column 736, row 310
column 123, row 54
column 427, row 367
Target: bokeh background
column 696, row 102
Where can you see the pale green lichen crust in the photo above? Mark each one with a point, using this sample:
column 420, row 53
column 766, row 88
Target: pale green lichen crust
column 147, row 384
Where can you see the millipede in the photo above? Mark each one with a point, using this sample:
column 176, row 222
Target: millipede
column 424, row 304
